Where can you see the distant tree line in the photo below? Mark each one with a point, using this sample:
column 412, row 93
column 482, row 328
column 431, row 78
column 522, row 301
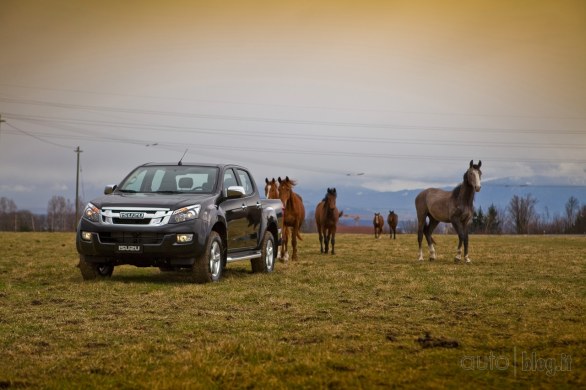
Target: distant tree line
column 519, row 217
column 60, row 217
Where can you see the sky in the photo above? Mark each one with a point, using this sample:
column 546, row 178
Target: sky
column 382, row 95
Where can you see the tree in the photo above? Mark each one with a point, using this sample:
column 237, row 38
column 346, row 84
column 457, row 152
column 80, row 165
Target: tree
column 7, row 214
column 522, row 211
column 478, row 221
column 579, row 226
column 493, row 222
column 572, row 209
column 60, row 213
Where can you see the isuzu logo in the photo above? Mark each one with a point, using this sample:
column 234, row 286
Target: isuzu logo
column 129, row 248
column 131, row 215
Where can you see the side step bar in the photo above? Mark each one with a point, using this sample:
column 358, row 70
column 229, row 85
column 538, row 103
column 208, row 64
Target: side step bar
column 249, row 256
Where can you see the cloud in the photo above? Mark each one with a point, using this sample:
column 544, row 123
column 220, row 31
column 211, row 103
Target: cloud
column 16, row 188
column 60, row 187
column 401, row 185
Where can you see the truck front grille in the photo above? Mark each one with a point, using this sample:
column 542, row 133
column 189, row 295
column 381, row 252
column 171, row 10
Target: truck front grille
column 131, row 238
column 135, row 216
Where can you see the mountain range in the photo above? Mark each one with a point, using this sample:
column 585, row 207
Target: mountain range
column 360, row 202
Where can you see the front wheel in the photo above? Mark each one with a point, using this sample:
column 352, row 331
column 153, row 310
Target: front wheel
column 208, row 267
column 265, row 263
column 90, row 271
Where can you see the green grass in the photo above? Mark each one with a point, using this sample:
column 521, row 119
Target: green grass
column 369, row 317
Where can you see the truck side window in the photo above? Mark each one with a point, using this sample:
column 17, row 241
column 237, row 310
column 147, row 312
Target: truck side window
column 245, row 181
column 229, row 178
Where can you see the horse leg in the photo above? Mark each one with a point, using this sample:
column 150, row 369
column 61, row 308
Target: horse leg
column 321, row 239
column 333, row 239
column 420, row 228
column 459, row 230
column 428, row 231
column 284, row 250
column 394, row 233
column 294, row 232
column 465, row 239
column 327, row 240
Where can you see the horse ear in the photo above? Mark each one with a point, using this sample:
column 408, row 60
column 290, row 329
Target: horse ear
column 267, row 180
column 287, row 178
column 471, row 163
column 479, row 163
column 280, row 179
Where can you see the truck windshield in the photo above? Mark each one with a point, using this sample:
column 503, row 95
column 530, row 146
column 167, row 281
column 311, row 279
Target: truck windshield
column 175, row 179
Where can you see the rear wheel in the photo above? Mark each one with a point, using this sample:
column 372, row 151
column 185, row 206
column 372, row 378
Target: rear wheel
column 90, row 271
column 265, row 263
column 208, row 267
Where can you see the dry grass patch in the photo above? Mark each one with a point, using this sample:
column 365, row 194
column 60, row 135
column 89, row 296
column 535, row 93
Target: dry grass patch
column 370, row 316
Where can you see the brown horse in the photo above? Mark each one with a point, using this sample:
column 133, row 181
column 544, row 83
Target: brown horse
column 271, row 189
column 393, row 220
column 326, row 219
column 379, row 224
column 444, row 206
column 293, row 216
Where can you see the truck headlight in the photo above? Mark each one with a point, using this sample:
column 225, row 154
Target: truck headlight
column 185, row 214
column 91, row 213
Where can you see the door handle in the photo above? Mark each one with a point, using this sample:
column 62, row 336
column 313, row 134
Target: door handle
column 243, row 206
column 258, row 205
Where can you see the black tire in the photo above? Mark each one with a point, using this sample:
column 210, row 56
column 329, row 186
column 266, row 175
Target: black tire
column 208, row 268
column 91, row 271
column 167, row 269
column 265, row 263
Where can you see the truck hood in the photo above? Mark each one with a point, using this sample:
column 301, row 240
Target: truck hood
column 170, row 201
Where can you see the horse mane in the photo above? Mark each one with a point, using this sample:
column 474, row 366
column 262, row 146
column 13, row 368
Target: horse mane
column 465, row 189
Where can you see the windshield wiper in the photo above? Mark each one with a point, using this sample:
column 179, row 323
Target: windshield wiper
column 166, row 192
column 128, row 191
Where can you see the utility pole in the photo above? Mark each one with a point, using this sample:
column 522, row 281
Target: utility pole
column 78, row 151
column 1, row 120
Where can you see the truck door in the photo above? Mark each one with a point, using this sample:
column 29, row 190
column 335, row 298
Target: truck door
column 236, row 213
column 253, row 208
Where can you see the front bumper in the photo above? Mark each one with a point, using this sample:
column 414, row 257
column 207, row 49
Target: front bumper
column 140, row 245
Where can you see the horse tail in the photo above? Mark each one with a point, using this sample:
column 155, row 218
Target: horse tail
column 299, row 236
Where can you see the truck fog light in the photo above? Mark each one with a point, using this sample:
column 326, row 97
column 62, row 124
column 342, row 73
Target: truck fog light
column 86, row 236
column 183, row 238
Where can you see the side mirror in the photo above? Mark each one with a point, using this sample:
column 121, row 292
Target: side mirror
column 109, row 189
column 235, row 192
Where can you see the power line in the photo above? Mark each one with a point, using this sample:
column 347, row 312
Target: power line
column 343, row 109
column 285, row 121
column 36, row 137
column 361, row 139
column 329, row 153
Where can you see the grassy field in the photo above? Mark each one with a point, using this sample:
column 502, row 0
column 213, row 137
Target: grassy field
column 369, row 317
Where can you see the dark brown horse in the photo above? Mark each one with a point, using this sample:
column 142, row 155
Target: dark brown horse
column 445, row 206
column 293, row 216
column 379, row 224
column 393, row 220
column 326, row 219
column 271, row 189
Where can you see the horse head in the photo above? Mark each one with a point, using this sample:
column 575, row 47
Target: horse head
column 271, row 190
column 285, row 189
column 473, row 175
column 330, row 198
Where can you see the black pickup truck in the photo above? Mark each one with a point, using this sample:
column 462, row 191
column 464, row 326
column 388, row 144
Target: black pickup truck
column 173, row 216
